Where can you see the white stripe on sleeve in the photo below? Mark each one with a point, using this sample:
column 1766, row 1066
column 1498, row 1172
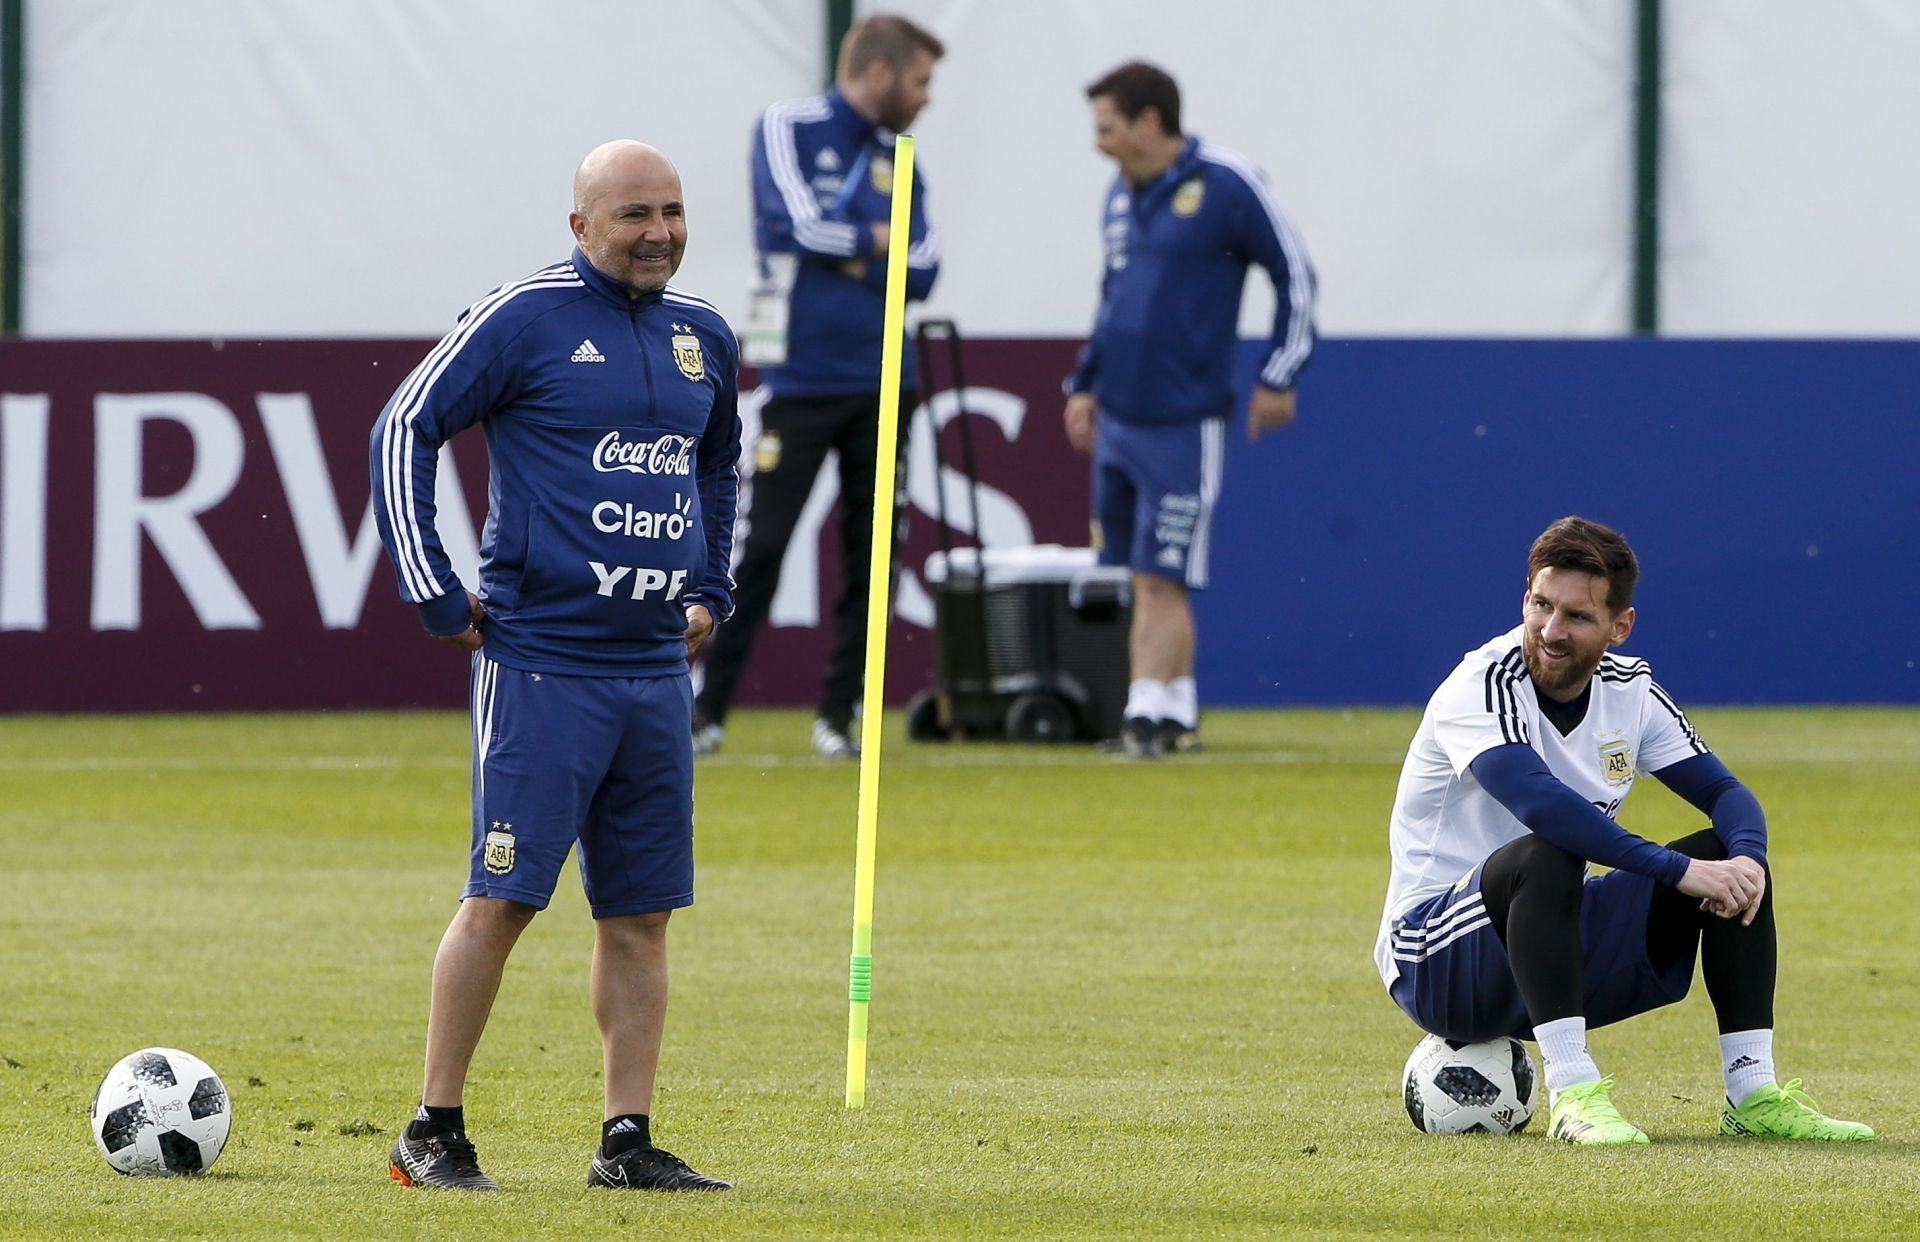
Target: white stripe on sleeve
column 398, row 435
column 776, row 133
column 1279, row 369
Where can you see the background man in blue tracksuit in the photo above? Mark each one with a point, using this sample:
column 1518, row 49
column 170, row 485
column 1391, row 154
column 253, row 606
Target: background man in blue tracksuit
column 1153, row 388
column 609, row 402
column 822, row 172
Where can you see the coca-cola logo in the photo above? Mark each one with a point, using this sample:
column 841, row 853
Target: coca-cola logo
column 670, row 454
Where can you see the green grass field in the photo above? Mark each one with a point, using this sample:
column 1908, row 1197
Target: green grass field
column 1108, row 998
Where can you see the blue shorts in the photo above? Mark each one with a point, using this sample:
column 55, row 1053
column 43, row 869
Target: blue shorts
column 1455, row 981
column 1154, row 488
column 605, row 761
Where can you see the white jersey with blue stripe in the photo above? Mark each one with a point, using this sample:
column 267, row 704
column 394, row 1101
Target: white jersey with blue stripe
column 1444, row 824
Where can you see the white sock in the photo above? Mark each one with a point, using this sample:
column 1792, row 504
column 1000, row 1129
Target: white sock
column 1563, row 1045
column 1183, row 703
column 1746, row 1062
column 1146, row 698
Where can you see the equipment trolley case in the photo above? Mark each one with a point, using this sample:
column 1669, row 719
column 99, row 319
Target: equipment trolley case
column 1031, row 646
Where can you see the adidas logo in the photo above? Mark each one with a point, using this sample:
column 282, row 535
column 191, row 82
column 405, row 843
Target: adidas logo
column 1743, row 1062
column 827, row 159
column 588, row 352
column 1172, row 557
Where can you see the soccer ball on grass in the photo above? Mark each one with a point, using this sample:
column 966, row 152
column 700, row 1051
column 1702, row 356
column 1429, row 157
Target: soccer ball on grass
column 1459, row 1088
column 161, row 1112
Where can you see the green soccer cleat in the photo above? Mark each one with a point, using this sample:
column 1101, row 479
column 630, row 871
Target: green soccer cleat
column 1585, row 1114
column 1786, row 1112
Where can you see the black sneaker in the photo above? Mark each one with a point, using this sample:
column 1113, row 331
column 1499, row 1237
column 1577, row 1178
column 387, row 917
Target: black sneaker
column 1176, row 739
column 438, row 1159
column 1140, row 739
column 648, row 1168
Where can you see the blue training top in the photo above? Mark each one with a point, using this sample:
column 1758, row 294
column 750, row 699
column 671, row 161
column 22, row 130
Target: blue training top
column 1177, row 253
column 612, row 431
column 822, row 176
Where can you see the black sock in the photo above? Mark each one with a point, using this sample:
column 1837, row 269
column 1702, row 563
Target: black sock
column 431, row 1120
column 624, row 1133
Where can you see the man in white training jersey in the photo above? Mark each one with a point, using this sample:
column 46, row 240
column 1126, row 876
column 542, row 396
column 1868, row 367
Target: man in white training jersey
column 1510, row 789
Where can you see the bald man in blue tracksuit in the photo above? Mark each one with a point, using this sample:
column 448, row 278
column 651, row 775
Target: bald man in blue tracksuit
column 1153, row 389
column 608, row 399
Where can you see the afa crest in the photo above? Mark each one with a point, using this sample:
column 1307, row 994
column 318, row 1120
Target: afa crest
column 1616, row 761
column 687, row 356
column 1186, row 199
column 499, row 852
column 766, row 452
column 880, row 173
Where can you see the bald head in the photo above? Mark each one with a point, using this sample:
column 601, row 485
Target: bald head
column 611, row 163
column 628, row 215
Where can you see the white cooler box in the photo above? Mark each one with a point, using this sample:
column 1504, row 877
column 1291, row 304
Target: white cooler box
column 1031, row 645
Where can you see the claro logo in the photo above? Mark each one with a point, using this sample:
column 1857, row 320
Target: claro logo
column 665, row 455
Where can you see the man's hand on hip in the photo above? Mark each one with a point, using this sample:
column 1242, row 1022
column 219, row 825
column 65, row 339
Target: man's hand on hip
column 699, row 627
column 469, row 639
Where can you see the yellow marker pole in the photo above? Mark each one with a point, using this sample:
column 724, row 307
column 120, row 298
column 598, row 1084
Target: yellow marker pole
column 860, row 966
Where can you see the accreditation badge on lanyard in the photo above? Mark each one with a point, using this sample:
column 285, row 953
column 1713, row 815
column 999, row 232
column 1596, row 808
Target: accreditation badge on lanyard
column 769, row 303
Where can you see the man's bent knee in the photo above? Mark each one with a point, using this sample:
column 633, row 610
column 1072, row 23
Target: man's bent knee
column 1535, row 856
column 1704, row 844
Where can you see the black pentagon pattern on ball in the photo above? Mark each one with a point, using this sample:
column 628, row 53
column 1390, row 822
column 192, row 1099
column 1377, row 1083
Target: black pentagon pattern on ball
column 1466, row 1086
column 1522, row 1070
column 180, row 1153
column 152, row 1068
column 207, row 1099
column 122, row 1126
column 1416, row 1107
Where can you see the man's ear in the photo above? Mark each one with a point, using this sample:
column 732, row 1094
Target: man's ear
column 1622, row 626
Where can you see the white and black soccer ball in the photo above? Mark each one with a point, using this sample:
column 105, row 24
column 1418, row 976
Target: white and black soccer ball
column 161, row 1112
column 1459, row 1088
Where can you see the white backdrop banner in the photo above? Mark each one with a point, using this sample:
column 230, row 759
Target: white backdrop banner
column 368, row 167
column 1790, row 170
column 1458, row 168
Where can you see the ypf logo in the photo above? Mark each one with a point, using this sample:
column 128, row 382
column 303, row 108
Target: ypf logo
column 670, row 454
